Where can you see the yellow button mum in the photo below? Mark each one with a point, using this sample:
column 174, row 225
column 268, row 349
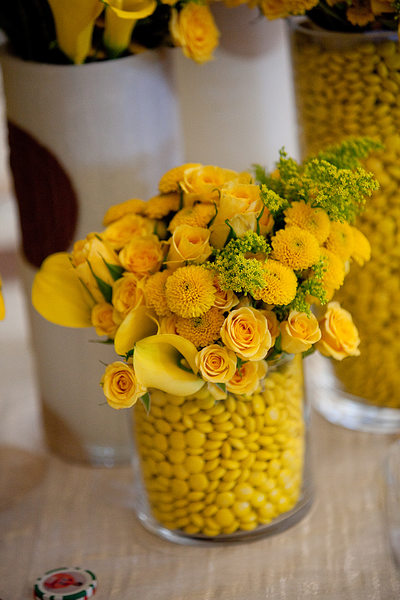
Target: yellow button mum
column 295, row 247
column 280, row 284
column 190, row 291
column 202, row 330
column 314, row 220
column 169, row 182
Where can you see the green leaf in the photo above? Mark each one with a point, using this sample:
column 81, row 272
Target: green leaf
column 116, row 271
column 221, row 386
column 105, row 288
column 146, row 401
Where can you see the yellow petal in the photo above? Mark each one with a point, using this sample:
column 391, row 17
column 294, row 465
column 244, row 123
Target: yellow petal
column 2, row 307
column 74, row 21
column 59, row 296
column 157, row 363
column 121, row 18
column 138, row 324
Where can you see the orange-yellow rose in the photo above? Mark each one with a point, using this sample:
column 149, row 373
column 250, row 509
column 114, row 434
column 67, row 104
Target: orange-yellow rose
column 102, row 319
column 246, row 380
column 188, row 244
column 120, row 385
column 143, row 255
column 89, row 257
column 203, row 182
column 216, row 363
column 193, row 28
column 245, row 331
column 224, row 299
column 128, row 292
column 240, row 204
column 120, row 232
column 339, row 335
column 299, row 332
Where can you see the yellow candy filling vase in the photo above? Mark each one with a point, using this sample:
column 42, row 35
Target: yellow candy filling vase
column 226, row 470
column 348, row 85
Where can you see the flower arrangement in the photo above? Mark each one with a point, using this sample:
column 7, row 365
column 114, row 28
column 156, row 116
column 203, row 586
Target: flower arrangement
column 65, row 31
column 338, row 15
column 218, row 275
column 2, row 306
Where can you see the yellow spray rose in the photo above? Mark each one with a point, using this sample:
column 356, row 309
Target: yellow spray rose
column 216, row 363
column 240, row 204
column 203, row 182
column 246, row 380
column 120, row 385
column 102, row 319
column 143, row 255
column 188, row 244
column 128, row 292
column 224, row 299
column 339, row 335
column 245, row 331
column 120, row 232
column 299, row 332
column 193, row 28
column 89, row 256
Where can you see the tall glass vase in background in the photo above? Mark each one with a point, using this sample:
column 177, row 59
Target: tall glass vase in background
column 80, row 138
column 239, row 105
column 347, row 84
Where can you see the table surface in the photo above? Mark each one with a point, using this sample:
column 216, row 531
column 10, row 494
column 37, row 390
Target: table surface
column 55, row 514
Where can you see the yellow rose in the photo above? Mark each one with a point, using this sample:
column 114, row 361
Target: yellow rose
column 143, row 255
column 240, row 204
column 246, row 380
column 216, row 363
column 120, row 232
column 245, row 331
column 339, row 335
column 273, row 324
column 120, row 385
column 203, row 182
column 168, row 324
column 102, row 319
column 128, row 292
column 194, row 29
column 89, row 256
column 188, row 244
column 224, row 299
column 299, row 332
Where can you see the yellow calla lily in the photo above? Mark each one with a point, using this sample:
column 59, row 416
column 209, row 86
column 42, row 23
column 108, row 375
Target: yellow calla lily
column 121, row 16
column 138, row 324
column 58, row 294
column 74, row 21
column 157, row 364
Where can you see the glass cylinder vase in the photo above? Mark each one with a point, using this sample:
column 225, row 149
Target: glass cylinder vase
column 226, row 470
column 347, row 85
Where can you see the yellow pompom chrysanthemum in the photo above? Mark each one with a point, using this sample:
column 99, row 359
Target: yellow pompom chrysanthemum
column 198, row 215
column 334, row 271
column 190, row 291
column 314, row 220
column 159, row 206
column 295, row 247
column 341, row 240
column 169, row 182
column 154, row 293
column 280, row 284
column 361, row 247
column 117, row 211
column 203, row 330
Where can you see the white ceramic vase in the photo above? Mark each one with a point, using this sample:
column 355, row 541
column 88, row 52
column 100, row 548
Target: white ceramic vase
column 82, row 138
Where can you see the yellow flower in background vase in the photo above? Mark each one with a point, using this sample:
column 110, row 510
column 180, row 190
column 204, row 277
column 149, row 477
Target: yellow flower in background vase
column 339, row 335
column 2, row 306
column 121, row 386
column 193, row 28
column 121, row 17
column 59, row 295
column 299, row 332
column 74, row 22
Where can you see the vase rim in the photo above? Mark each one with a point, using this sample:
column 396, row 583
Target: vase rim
column 306, row 26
